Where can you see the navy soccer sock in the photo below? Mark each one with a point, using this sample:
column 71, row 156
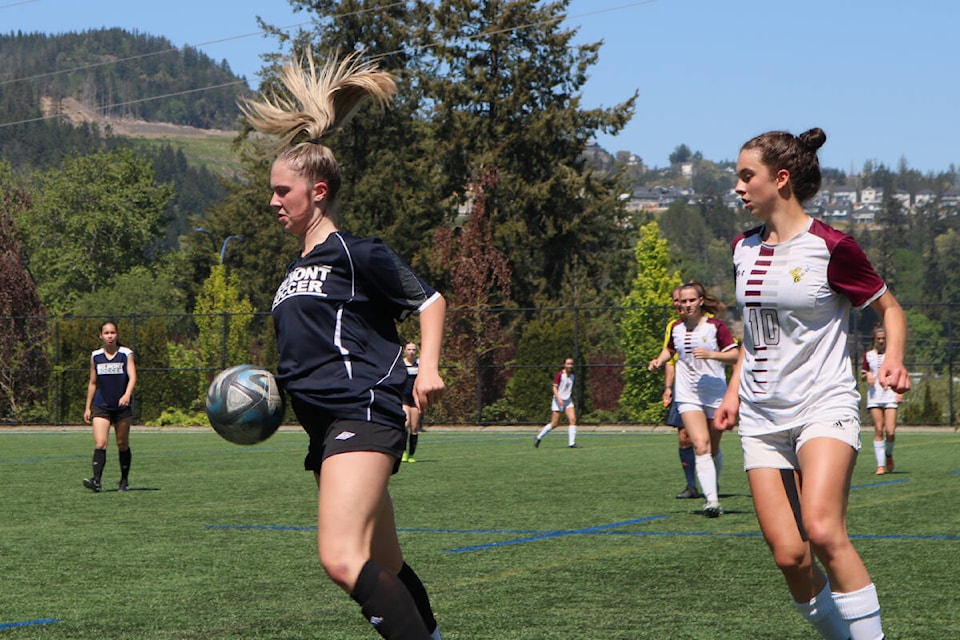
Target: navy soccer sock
column 413, row 442
column 412, row 581
column 688, row 460
column 387, row 604
column 125, row 458
column 99, row 460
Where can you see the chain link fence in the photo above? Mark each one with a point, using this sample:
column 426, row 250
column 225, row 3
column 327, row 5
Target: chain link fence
column 498, row 363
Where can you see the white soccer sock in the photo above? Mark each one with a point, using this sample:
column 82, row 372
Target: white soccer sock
column 861, row 609
column 823, row 615
column 878, row 453
column 572, row 435
column 707, row 475
column 544, row 431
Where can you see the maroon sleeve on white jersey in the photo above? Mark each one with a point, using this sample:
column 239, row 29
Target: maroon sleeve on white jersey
column 725, row 339
column 849, row 272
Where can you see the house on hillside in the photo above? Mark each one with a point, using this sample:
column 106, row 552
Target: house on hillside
column 871, row 195
column 835, row 211
column 845, row 193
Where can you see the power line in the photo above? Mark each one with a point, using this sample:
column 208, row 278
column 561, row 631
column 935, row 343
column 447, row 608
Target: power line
column 94, row 65
column 227, row 84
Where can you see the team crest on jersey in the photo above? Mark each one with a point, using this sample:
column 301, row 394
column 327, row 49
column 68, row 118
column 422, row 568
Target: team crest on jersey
column 797, row 273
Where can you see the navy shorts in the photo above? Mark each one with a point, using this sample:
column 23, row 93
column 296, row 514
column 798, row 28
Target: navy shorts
column 113, row 415
column 673, row 417
column 330, row 436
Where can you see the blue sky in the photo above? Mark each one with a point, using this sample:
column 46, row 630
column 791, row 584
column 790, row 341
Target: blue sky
column 880, row 77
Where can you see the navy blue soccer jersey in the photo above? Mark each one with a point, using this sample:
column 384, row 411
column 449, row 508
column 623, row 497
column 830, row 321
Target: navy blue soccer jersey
column 336, row 316
column 112, row 377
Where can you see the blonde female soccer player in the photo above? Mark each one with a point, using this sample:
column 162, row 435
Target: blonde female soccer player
column 340, row 357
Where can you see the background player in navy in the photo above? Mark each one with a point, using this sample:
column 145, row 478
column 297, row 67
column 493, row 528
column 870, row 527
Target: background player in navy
column 793, row 386
column 412, row 366
column 340, row 357
column 113, row 374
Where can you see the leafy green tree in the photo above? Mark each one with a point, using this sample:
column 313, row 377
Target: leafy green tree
column 140, row 291
column 93, row 218
column 643, row 321
column 223, row 317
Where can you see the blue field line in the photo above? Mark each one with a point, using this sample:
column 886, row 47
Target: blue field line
column 28, row 623
column 878, row 484
column 556, row 534
column 532, row 535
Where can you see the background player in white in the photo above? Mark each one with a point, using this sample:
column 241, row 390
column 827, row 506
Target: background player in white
column 562, row 402
column 113, row 375
column 340, row 357
column 702, row 346
column 882, row 403
column 688, row 457
column 794, row 389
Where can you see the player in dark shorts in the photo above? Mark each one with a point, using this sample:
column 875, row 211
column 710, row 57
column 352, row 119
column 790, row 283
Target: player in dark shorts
column 340, row 356
column 113, row 374
column 413, row 415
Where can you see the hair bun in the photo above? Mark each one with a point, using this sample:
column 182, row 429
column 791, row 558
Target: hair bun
column 813, row 139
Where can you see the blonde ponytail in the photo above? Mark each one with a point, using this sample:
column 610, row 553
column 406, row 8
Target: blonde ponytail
column 319, row 100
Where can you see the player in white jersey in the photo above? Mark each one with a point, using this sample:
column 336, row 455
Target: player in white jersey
column 702, row 345
column 562, row 402
column 688, row 457
column 340, row 356
column 882, row 403
column 796, row 279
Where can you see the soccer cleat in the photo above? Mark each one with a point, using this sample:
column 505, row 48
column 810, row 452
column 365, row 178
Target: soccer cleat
column 881, row 471
column 536, row 443
column 574, row 446
column 404, row 457
column 93, row 485
column 124, row 486
column 712, row 510
column 410, row 459
column 889, row 464
column 689, row 492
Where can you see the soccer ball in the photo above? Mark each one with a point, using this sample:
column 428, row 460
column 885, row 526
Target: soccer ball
column 244, row 404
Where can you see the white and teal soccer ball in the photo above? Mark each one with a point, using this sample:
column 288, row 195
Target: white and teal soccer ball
column 244, row 404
